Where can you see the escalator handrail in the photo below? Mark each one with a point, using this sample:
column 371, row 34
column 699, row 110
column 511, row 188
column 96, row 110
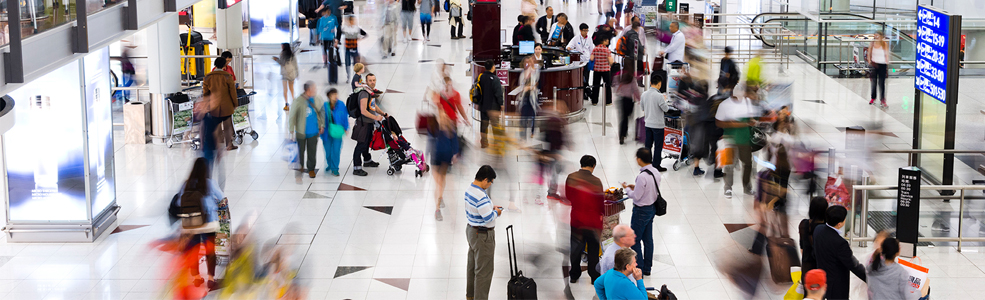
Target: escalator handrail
column 759, row 36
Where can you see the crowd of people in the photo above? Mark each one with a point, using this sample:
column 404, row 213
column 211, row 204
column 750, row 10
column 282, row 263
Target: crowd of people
column 721, row 127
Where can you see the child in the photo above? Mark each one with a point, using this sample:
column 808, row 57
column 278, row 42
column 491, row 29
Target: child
column 357, row 80
column 353, row 33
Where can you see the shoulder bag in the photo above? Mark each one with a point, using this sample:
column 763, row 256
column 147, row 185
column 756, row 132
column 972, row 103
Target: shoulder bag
column 660, row 205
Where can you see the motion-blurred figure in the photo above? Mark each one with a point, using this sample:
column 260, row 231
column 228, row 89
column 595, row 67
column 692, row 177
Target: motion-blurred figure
column 555, row 137
column 529, row 99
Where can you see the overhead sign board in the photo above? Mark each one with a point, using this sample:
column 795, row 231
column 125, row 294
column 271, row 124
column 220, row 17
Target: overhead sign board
column 933, row 34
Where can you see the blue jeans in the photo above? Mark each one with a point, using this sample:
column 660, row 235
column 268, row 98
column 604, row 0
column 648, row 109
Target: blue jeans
column 527, row 115
column 642, row 224
column 209, row 125
column 655, row 137
column 333, row 152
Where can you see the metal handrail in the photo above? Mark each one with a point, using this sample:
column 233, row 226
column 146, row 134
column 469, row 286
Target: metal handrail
column 863, row 230
column 832, row 152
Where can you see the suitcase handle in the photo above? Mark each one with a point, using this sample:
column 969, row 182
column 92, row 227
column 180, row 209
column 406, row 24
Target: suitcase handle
column 511, row 251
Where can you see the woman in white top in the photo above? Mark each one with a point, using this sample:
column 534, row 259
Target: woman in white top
column 878, row 58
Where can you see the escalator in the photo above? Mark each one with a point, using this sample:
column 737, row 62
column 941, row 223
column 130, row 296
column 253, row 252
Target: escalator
column 6, row 114
column 796, row 23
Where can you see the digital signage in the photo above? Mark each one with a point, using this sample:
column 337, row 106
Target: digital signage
column 99, row 129
column 43, row 152
column 272, row 21
column 933, row 32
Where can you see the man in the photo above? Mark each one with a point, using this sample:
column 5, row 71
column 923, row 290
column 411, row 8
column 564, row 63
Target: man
column 602, row 59
column 604, row 32
column 562, row 32
column 815, row 284
column 220, row 91
column 481, row 217
column 583, row 44
column 362, row 130
column 585, row 192
column 644, row 194
column 674, row 50
column 330, row 32
column 520, row 20
column 545, row 24
column 834, row 254
column 407, row 9
column 624, row 281
column 728, row 75
column 654, row 106
column 526, row 32
column 305, row 122
column 491, row 101
column 633, row 46
column 622, row 237
column 736, row 116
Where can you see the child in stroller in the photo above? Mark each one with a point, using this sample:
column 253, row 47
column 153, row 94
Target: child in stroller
column 399, row 151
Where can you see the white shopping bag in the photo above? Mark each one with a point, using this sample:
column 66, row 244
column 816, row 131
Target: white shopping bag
column 918, row 276
column 290, row 154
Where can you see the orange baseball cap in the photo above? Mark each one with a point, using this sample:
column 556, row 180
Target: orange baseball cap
column 815, row 279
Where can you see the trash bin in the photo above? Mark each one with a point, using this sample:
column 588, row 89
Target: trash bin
column 136, row 122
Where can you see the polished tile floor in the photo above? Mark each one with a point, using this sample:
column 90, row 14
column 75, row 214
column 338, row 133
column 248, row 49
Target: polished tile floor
column 375, row 237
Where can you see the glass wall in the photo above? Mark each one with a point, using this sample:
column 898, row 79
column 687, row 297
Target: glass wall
column 94, row 6
column 933, row 114
column 40, row 15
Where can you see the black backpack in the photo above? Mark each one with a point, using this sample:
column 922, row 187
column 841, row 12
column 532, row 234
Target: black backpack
column 352, row 104
column 191, row 211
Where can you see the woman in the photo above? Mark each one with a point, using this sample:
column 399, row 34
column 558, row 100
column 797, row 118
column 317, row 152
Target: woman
column 886, row 278
column 815, row 217
column 878, row 58
column 529, row 8
column 288, row 71
column 445, row 140
column 455, row 18
column 200, row 188
column 529, row 102
column 335, row 114
column 628, row 93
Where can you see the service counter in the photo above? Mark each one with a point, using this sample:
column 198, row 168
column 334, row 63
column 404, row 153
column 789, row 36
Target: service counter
column 560, row 80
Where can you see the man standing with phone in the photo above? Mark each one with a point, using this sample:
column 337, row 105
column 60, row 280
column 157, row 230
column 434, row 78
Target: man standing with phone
column 481, row 217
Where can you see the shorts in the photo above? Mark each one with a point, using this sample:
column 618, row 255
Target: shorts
column 407, row 19
column 425, row 18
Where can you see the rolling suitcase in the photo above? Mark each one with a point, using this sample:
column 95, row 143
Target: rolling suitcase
column 518, row 287
column 641, row 132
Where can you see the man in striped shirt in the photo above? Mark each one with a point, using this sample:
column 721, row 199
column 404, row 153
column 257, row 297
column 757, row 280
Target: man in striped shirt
column 481, row 217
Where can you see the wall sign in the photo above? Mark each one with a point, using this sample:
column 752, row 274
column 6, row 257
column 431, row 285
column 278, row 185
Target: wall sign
column 933, row 30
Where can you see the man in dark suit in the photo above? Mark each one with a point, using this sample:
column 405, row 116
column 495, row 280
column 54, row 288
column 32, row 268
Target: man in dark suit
column 545, row 24
column 834, row 255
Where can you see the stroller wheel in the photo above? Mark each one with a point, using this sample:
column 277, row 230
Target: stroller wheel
column 389, row 171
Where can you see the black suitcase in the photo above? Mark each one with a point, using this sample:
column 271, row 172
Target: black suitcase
column 518, row 287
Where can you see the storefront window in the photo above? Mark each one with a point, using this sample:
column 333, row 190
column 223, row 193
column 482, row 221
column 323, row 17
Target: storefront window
column 40, row 15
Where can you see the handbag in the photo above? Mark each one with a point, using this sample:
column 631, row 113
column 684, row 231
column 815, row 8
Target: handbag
column 334, row 130
column 660, row 205
column 426, row 120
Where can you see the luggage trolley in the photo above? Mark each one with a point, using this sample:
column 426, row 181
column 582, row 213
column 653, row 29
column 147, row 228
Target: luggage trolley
column 183, row 123
column 241, row 117
column 676, row 140
column 675, row 72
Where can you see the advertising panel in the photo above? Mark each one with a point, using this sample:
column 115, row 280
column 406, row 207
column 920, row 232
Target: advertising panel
column 99, row 125
column 43, row 152
column 933, row 32
column 673, row 141
column 272, row 21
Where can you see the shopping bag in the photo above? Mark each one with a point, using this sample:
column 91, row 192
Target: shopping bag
column 918, row 276
column 725, row 155
column 796, row 290
column 290, row 154
column 836, row 191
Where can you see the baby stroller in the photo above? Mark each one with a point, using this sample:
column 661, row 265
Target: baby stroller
column 389, row 136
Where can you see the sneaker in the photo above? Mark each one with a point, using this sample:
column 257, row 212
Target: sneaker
column 748, row 192
column 728, row 194
column 359, row 172
column 698, row 172
column 335, row 173
column 719, row 173
column 873, row 101
column 371, row 164
column 437, row 215
column 441, row 202
column 311, row 173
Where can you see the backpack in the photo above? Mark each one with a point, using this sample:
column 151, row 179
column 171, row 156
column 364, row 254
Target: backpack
column 191, row 211
column 447, row 5
column 623, row 47
column 475, row 94
column 352, row 103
